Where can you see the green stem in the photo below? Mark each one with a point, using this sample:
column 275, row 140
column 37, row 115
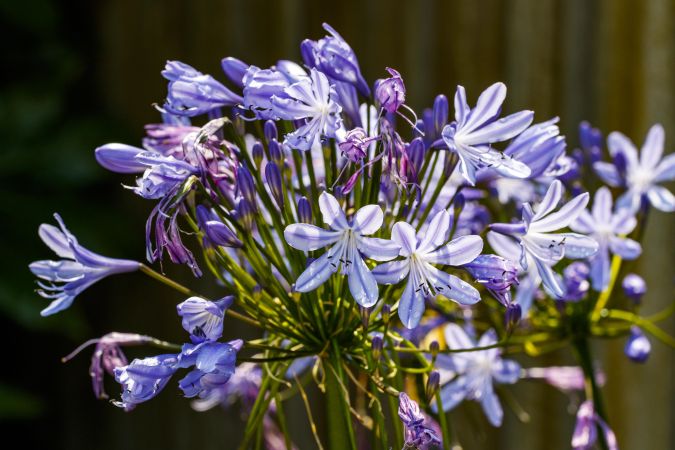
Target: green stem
column 593, row 392
column 443, row 422
column 340, row 431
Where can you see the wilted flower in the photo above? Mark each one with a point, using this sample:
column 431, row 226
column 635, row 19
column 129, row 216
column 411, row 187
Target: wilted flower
column 586, row 430
column 390, row 92
column 79, row 268
column 425, row 280
column 417, row 435
column 213, row 366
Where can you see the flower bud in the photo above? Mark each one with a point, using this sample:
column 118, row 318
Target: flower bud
column 433, row 383
column 637, row 347
column 245, row 184
column 634, row 287
column 441, row 109
column 434, row 348
column 390, row 92
column 386, row 314
column 234, row 70
column 365, row 316
column 416, row 154
column 245, row 214
column 449, row 164
column 377, row 345
column 215, row 230
column 273, row 178
column 351, row 182
column 276, row 152
column 257, row 152
column 270, row 131
column 304, row 211
column 512, row 315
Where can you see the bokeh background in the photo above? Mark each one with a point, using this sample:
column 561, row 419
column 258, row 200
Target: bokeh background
column 77, row 74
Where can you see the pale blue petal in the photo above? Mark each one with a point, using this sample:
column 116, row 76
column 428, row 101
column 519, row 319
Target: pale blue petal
column 378, row 249
column 619, row 143
column 665, row 171
column 505, row 246
column 436, row 233
column 362, row 284
column 550, row 201
column 411, row 306
column 452, row 287
column 404, row 235
column 623, row 221
column 461, row 106
column 652, row 149
column 316, row 274
column 452, row 394
column 506, row 371
column 548, row 278
column 500, row 130
column 563, row 217
column 625, row 248
column 661, row 198
column 368, row 219
column 56, row 240
column 332, row 213
column 608, row 173
column 578, row 246
column 602, row 206
column 303, row 236
column 584, row 223
column 600, row 270
column 459, row 251
column 491, row 406
column 487, row 107
column 391, row 272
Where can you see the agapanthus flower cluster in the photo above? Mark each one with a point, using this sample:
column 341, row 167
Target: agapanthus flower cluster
column 374, row 250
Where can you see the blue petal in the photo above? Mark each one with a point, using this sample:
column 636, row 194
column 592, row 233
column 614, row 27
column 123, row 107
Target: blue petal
column 411, row 306
column 316, row 273
column 391, row 272
column 362, row 284
column 308, row 237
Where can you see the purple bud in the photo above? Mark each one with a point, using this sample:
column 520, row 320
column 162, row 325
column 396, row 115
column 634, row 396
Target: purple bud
column 595, row 154
column 276, row 152
column 257, row 152
column 390, row 92
column 273, row 178
column 575, row 280
column 459, row 202
column 416, row 152
column 433, row 383
column 245, row 184
column 634, row 287
column 307, row 50
column 434, row 348
column 304, row 210
column 588, row 136
column 440, row 113
column 386, row 314
column 215, row 230
column 234, row 70
column 120, row 158
column 449, row 164
column 377, row 347
column 270, row 131
column 637, row 347
column 351, row 182
column 245, row 213
column 512, row 315
column 578, row 156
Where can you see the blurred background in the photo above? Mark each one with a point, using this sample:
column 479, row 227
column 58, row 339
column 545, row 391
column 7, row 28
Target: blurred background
column 78, row 74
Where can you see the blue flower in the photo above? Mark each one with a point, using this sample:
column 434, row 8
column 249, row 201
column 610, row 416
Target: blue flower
column 640, row 176
column 144, row 378
column 335, row 58
column 538, row 244
column 213, row 366
column 586, row 429
column 539, row 147
column 475, row 130
column 79, row 268
column 605, row 226
column 203, row 319
column 350, row 242
column 260, row 85
column 191, row 93
column 637, row 347
column 425, row 280
column 472, row 374
column 417, row 435
column 312, row 101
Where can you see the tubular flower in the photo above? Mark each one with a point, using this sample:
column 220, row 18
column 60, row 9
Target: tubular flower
column 474, row 130
column 79, row 268
column 350, row 242
column 425, row 280
column 417, row 434
column 586, row 430
column 544, row 248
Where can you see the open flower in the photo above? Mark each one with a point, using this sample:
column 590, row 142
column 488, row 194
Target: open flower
column 641, row 176
column 311, row 100
column 213, row 366
column 350, row 241
column 144, row 378
column 536, row 240
column 604, row 225
column 474, row 130
column 79, row 268
column 425, row 280
column 203, row 319
column 472, row 374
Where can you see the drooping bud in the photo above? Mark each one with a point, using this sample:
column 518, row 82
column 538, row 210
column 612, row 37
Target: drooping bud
column 257, row 152
column 273, row 178
column 270, row 131
column 440, row 113
column 390, row 92
column 637, row 347
column 377, row 346
column 634, row 287
column 433, row 383
column 304, row 210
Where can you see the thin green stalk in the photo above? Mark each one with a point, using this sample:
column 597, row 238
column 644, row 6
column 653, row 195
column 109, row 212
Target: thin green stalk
column 443, row 422
column 593, row 391
column 340, row 430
